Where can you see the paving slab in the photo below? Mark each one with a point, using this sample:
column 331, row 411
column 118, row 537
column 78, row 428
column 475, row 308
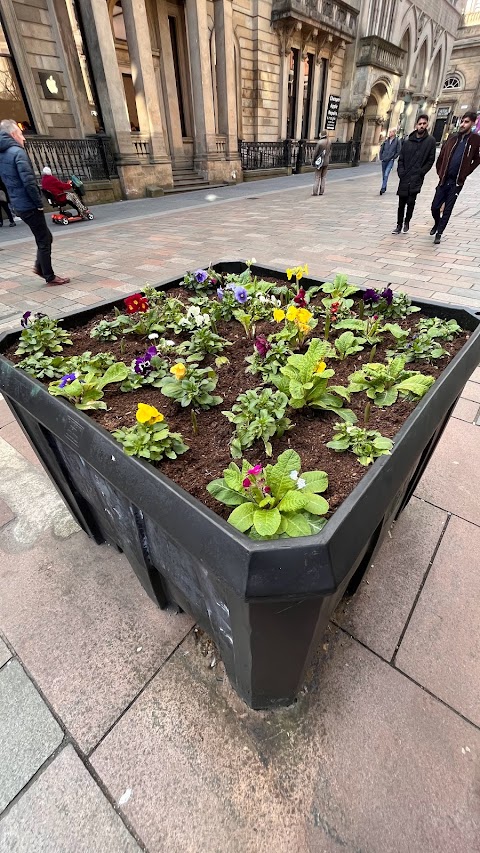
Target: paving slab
column 29, row 731
column 5, row 653
column 6, row 513
column 441, row 647
column 64, row 811
column 365, row 762
column 472, row 392
column 15, row 436
column 377, row 613
column 85, row 629
column 466, row 410
column 453, row 473
column 6, row 416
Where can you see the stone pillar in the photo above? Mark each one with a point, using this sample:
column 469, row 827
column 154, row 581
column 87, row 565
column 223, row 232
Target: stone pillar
column 200, row 66
column 109, row 84
column 226, row 82
column 312, row 125
column 169, row 83
column 283, row 95
column 143, row 76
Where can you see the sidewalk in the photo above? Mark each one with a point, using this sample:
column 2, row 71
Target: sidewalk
column 119, row 732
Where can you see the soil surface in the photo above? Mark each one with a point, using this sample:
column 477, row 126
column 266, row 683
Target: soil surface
column 209, row 451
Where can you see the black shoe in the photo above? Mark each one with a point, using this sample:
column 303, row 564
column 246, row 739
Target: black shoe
column 12, row 225
column 397, row 230
column 438, row 237
column 382, row 192
column 406, row 227
column 433, row 230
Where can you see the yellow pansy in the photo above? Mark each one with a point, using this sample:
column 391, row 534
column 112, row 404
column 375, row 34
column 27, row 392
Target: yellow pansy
column 303, row 327
column 292, row 312
column 148, row 414
column 179, row 370
column 320, row 367
column 289, row 273
column 305, row 269
column 303, row 316
column 278, row 315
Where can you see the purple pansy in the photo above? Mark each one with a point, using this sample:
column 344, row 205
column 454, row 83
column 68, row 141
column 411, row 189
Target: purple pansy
column 65, row 380
column 219, row 294
column 142, row 364
column 241, row 295
column 201, row 276
column 262, row 345
column 387, row 294
column 370, row 295
column 24, row 320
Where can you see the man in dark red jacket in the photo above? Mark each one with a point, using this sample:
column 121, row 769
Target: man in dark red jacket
column 62, row 191
column 458, row 158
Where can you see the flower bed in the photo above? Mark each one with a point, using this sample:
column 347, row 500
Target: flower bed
column 268, row 403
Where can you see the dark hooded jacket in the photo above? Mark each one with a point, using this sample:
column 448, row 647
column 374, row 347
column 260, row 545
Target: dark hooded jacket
column 18, row 176
column 416, row 159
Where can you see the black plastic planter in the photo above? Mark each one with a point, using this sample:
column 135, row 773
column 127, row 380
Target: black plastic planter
column 266, row 604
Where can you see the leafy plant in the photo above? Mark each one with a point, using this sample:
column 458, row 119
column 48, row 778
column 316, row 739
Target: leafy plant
column 277, row 502
column 400, row 306
column 299, row 323
column 258, row 414
column 43, row 366
column 339, row 290
column 304, row 379
column 268, row 356
column 372, row 329
column 109, row 330
column 384, row 382
column 203, row 342
column 153, row 295
column 421, row 347
column 86, row 392
column 434, row 327
column 150, row 438
column 190, row 385
column 148, row 369
column 193, row 319
column 347, row 344
column 41, row 334
column 201, row 280
column 367, row 444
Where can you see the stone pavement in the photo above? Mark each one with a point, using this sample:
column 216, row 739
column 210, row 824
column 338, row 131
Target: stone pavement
column 118, row 732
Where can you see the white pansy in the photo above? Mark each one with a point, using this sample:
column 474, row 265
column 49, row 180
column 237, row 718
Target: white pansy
column 153, row 336
column 170, row 343
column 301, row 483
column 294, row 475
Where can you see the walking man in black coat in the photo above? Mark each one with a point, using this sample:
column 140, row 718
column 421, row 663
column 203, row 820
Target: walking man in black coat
column 416, row 159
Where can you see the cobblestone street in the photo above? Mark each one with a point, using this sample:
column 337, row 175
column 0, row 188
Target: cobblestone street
column 120, row 733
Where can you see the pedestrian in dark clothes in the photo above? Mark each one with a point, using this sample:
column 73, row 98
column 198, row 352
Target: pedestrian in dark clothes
column 19, row 178
column 458, row 158
column 416, row 159
column 389, row 151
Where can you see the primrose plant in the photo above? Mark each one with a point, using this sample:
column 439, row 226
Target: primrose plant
column 366, row 444
column 383, row 383
column 258, row 414
column 275, row 502
column 40, row 335
column 86, row 392
column 150, row 438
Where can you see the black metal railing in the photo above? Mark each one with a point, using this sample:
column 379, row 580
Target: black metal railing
column 291, row 153
column 89, row 159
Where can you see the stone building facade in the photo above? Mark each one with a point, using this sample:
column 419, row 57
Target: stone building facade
column 175, row 84
column 461, row 84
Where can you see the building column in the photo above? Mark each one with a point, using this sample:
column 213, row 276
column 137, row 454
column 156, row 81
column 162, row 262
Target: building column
column 143, row 77
column 225, row 71
column 200, row 66
column 109, row 84
column 299, row 94
column 169, row 83
column 312, row 129
column 283, row 95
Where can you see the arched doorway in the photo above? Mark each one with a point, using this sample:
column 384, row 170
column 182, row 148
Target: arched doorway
column 374, row 119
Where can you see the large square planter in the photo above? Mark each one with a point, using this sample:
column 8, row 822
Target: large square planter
column 266, row 604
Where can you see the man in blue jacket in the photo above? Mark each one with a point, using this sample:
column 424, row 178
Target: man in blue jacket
column 18, row 176
column 389, row 151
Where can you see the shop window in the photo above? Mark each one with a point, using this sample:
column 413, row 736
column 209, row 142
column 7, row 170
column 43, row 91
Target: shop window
column 12, row 101
column 131, row 103
column 292, row 92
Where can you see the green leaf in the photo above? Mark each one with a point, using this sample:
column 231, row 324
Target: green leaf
column 116, row 373
column 387, row 398
column 226, row 496
column 417, row 384
column 297, row 525
column 317, row 481
column 278, row 476
column 233, row 477
column 292, row 501
column 316, row 505
column 266, row 521
column 242, row 516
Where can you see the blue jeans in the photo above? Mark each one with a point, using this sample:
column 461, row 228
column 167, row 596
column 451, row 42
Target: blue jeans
column 387, row 166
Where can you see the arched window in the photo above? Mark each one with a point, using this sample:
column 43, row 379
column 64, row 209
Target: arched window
column 452, row 82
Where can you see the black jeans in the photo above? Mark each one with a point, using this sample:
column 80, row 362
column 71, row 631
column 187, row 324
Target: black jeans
column 446, row 195
column 405, row 202
column 35, row 219
column 4, row 207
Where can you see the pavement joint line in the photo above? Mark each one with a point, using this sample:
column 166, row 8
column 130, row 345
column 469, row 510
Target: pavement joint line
column 442, row 508
column 68, row 739
column 139, row 693
column 420, row 588
column 39, row 772
column 408, row 677
column 173, row 211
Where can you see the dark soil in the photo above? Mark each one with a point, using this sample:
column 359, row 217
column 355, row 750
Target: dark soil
column 209, row 450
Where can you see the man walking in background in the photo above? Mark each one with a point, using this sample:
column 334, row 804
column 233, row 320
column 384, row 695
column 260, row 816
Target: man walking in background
column 416, row 159
column 18, row 176
column 458, row 158
column 321, row 160
column 389, row 151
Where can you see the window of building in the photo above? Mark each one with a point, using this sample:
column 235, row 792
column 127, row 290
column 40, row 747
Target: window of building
column 307, row 94
column 13, row 103
column 452, row 82
column 131, row 103
column 292, row 92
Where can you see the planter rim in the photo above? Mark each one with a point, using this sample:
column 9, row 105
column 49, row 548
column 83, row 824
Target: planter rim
column 378, row 470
